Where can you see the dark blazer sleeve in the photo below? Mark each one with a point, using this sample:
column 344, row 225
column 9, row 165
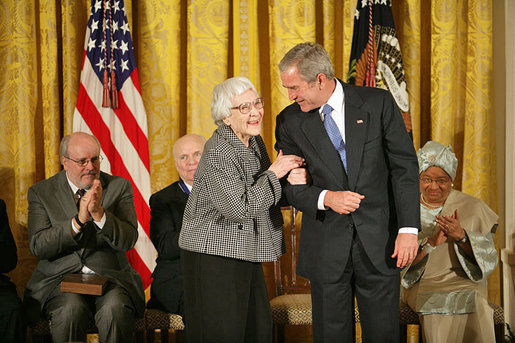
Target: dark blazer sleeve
column 8, row 256
column 120, row 230
column 302, row 197
column 166, row 211
column 403, row 165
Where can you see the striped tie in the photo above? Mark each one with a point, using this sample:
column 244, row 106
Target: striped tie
column 80, row 193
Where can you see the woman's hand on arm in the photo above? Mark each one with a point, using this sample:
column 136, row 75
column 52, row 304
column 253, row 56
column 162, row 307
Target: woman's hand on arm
column 284, row 163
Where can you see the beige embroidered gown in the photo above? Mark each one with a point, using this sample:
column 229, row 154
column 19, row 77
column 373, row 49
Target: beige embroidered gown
column 447, row 288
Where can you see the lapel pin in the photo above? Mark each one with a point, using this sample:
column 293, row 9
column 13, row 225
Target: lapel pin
column 359, row 121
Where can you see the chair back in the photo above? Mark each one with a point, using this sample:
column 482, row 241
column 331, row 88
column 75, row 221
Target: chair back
column 285, row 268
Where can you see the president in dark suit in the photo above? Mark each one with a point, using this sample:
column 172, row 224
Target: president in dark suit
column 361, row 210
column 166, row 211
column 87, row 233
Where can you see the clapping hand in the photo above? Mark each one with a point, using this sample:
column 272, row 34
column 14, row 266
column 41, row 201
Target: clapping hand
column 95, row 201
column 451, row 226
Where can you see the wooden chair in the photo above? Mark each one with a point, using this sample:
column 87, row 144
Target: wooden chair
column 410, row 324
column 168, row 326
column 292, row 302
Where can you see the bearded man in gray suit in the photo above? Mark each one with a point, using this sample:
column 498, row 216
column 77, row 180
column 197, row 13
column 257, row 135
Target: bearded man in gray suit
column 87, row 233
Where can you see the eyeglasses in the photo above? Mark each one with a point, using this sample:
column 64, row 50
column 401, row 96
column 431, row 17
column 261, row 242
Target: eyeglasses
column 84, row 162
column 440, row 181
column 245, row 107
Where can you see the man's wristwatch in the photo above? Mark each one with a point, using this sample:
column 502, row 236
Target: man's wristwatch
column 81, row 224
column 427, row 248
column 463, row 240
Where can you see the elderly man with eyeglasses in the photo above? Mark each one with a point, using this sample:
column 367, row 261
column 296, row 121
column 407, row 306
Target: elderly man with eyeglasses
column 82, row 220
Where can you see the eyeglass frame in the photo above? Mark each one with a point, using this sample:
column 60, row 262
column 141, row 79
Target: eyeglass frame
column 440, row 181
column 84, row 162
column 251, row 104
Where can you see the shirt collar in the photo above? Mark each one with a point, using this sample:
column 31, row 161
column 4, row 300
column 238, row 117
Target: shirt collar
column 72, row 185
column 187, row 185
column 336, row 99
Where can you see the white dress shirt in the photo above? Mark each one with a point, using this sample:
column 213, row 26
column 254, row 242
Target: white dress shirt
column 100, row 224
column 337, row 103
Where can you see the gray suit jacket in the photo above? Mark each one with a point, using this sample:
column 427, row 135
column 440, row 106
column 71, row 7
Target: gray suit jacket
column 51, row 209
column 382, row 165
column 233, row 210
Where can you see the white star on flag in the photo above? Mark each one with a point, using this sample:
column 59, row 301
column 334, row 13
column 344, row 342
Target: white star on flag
column 124, row 47
column 91, row 44
column 125, row 27
column 124, row 65
column 94, row 26
column 115, row 26
column 100, row 64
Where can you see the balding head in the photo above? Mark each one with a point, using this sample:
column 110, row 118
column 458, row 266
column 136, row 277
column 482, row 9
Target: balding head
column 79, row 154
column 187, row 151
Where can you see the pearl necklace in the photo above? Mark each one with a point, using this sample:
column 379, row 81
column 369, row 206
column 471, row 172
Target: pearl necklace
column 426, row 204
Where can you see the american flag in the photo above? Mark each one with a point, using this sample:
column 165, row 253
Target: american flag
column 376, row 59
column 110, row 107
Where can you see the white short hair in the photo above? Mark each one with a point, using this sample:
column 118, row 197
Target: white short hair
column 224, row 92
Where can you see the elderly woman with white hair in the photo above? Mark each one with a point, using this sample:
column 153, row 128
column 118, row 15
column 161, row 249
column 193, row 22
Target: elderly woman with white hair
column 232, row 223
column 446, row 283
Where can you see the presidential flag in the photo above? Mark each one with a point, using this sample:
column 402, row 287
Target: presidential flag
column 109, row 106
column 375, row 59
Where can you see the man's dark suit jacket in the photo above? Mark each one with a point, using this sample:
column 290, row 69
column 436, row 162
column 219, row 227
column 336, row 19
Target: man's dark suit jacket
column 382, row 165
column 11, row 327
column 51, row 209
column 166, row 211
column 8, row 255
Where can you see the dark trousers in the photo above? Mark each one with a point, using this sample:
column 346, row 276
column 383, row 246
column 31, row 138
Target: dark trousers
column 72, row 314
column 225, row 300
column 12, row 327
column 166, row 294
column 377, row 296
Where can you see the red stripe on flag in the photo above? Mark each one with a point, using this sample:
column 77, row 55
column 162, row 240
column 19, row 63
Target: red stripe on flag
column 138, row 264
column 135, row 79
column 132, row 130
column 100, row 130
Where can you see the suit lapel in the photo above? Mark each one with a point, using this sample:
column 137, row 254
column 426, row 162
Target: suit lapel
column 315, row 132
column 356, row 123
column 64, row 195
column 103, row 185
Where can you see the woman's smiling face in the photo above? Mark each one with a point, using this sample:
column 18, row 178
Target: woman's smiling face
column 245, row 125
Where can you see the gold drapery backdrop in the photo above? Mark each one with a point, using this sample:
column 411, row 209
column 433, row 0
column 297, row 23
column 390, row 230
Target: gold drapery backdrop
column 183, row 48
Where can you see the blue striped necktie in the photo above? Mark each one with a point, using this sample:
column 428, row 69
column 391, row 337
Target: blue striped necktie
column 334, row 134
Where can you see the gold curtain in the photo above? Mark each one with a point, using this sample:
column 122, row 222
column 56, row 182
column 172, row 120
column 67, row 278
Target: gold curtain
column 184, row 47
